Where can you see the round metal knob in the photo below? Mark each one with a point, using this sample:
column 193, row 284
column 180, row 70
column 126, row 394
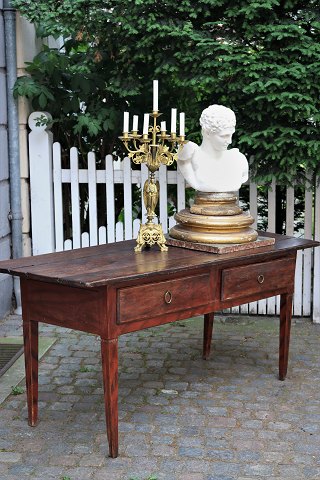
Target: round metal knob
column 168, row 297
column 260, row 278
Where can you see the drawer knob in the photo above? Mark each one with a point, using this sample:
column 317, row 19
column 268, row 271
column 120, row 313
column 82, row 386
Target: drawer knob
column 168, row 297
column 260, row 278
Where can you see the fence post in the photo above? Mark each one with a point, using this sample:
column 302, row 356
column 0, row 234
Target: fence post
column 41, row 184
column 316, row 257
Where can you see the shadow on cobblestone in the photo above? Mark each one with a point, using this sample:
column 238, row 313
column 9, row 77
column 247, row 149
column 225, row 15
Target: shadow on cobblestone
column 181, row 418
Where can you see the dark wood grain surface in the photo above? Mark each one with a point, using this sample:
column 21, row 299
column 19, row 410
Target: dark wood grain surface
column 103, row 264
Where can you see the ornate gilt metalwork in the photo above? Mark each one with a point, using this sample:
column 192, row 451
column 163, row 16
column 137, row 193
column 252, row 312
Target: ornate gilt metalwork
column 154, row 150
column 214, row 218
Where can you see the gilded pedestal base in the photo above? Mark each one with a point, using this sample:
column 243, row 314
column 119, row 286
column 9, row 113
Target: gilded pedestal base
column 215, row 218
column 150, row 234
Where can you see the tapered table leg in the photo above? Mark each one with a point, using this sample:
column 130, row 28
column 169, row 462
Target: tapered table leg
column 109, row 354
column 285, row 326
column 207, row 334
column 31, row 342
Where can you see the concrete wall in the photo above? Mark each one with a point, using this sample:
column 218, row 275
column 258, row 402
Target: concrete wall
column 6, row 286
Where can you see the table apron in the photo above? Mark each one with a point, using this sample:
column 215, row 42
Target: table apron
column 112, row 310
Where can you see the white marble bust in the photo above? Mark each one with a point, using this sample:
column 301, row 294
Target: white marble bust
column 210, row 167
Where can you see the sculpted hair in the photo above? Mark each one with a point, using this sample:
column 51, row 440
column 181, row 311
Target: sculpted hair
column 216, row 118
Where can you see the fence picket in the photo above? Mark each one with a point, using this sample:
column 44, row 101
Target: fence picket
column 136, row 226
column 92, row 189
column 57, row 196
column 110, row 199
column 163, row 202
column 272, row 207
column 144, row 177
column 127, row 196
column 297, row 300
column 68, row 244
column 181, row 191
column 253, row 202
column 75, row 198
column 119, row 232
column 172, row 222
column 102, row 235
column 253, row 206
column 307, row 254
column 316, row 271
column 267, row 306
column 85, row 239
column 290, row 211
column 290, row 231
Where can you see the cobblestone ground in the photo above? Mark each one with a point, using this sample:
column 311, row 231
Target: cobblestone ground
column 181, row 418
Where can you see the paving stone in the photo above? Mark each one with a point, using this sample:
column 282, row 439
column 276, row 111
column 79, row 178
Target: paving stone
column 260, row 470
column 220, row 477
column 78, row 473
column 10, row 457
column 163, row 451
column 311, row 472
column 191, row 476
column 92, row 460
column 221, row 455
column 105, row 473
column 231, row 419
column 191, row 452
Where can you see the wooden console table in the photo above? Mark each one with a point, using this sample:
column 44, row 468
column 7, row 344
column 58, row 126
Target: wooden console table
column 109, row 290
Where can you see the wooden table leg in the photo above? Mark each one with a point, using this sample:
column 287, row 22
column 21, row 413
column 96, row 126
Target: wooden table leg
column 285, row 326
column 109, row 354
column 31, row 342
column 207, row 334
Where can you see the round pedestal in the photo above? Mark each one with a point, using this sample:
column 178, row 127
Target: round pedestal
column 223, row 203
column 214, row 218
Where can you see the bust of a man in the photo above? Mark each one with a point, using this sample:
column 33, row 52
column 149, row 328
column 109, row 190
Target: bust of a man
column 211, row 167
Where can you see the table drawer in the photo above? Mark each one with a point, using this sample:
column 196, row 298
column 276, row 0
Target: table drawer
column 258, row 278
column 155, row 299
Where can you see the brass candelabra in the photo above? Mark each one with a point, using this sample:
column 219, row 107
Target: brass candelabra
column 154, row 148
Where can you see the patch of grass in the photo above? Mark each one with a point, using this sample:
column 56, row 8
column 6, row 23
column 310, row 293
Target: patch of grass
column 66, row 478
column 84, row 369
column 17, row 390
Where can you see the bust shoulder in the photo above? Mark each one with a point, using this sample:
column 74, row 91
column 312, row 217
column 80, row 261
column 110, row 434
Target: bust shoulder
column 234, row 153
column 187, row 151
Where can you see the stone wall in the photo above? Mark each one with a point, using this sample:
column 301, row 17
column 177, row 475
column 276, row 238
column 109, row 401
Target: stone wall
column 5, row 238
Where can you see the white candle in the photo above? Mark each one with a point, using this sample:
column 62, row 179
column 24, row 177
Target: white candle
column 155, row 95
column 173, row 120
column 181, row 123
column 135, row 123
column 126, row 122
column 145, row 124
column 163, row 126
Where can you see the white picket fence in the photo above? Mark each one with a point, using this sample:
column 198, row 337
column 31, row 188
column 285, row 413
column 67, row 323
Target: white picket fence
column 110, row 176
column 47, row 178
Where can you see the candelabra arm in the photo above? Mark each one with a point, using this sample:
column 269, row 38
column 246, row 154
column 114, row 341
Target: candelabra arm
column 154, row 148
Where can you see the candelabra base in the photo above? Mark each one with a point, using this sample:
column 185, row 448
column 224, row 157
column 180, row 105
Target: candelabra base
column 151, row 234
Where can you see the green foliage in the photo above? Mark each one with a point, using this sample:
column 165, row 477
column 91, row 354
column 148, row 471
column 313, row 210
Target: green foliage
column 17, row 390
column 262, row 59
column 84, row 369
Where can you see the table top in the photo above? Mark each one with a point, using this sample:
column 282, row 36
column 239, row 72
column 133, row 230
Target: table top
column 115, row 262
